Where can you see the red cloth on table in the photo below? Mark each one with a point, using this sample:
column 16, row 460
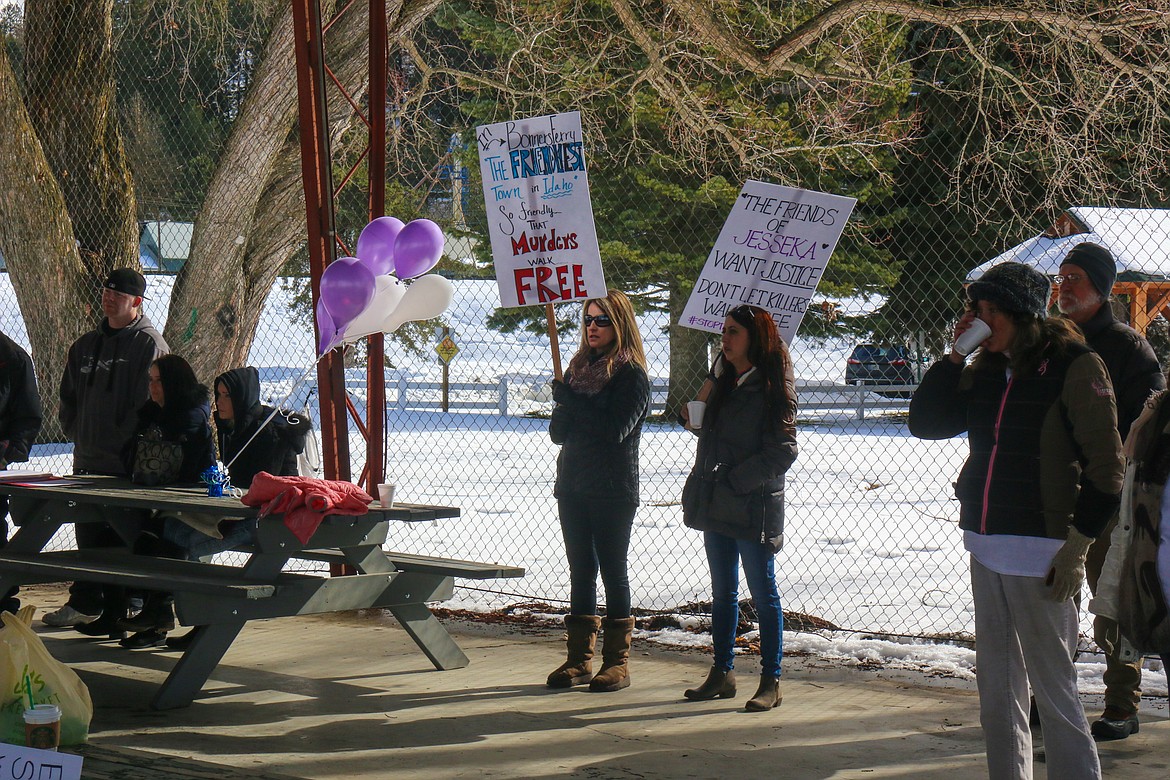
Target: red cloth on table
column 305, row 501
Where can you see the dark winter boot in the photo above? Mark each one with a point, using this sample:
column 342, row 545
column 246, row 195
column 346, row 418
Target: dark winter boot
column 582, row 638
column 719, row 683
column 158, row 614
column 767, row 695
column 615, row 655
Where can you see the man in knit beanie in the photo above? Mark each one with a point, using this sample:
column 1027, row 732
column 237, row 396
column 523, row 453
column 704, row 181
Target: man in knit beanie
column 1085, row 284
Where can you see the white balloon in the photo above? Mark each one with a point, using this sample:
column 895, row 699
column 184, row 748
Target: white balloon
column 388, row 291
column 426, row 297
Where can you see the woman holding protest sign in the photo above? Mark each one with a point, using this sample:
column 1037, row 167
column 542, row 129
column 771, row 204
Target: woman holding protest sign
column 597, row 420
column 735, row 492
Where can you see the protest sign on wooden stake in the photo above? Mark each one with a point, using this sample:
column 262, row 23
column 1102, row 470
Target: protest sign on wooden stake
column 540, row 218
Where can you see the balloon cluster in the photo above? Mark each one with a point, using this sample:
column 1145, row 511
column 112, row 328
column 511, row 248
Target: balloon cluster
column 364, row 295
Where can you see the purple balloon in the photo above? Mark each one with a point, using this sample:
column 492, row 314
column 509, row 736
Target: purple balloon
column 347, row 287
column 327, row 331
column 375, row 246
column 417, row 248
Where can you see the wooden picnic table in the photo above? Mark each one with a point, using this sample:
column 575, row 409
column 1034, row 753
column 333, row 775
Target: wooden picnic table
column 222, row 598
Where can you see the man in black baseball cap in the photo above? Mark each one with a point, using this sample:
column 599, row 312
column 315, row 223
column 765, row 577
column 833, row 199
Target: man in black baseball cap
column 104, row 384
column 1085, row 283
column 127, row 281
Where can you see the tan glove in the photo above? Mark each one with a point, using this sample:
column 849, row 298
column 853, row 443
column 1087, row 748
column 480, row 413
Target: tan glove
column 1068, row 566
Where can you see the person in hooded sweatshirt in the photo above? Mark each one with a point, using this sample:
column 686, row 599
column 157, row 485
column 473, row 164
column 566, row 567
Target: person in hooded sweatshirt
column 249, row 442
column 104, row 384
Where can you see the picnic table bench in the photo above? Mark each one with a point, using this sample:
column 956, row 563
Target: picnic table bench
column 220, row 599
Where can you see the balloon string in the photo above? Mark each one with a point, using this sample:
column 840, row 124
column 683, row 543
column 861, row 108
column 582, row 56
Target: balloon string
column 276, row 410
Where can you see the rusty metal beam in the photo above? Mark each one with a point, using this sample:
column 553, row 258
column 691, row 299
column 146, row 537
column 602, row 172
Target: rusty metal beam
column 375, row 354
column 308, row 43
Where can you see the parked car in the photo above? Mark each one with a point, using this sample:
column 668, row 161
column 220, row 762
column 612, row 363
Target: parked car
column 876, row 364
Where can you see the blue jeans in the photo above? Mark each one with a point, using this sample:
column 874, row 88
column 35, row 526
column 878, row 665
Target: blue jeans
column 597, row 537
column 724, row 555
column 199, row 545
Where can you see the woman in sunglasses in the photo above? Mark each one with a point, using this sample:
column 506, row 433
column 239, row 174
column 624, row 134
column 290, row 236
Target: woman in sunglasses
column 735, row 493
column 597, row 421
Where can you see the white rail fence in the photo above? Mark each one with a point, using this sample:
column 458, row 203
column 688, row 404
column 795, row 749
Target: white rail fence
column 512, row 395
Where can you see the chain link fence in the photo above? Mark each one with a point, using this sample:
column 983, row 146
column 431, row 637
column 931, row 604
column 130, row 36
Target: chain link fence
column 205, row 115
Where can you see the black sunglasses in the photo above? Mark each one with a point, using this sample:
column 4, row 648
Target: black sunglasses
column 602, row 320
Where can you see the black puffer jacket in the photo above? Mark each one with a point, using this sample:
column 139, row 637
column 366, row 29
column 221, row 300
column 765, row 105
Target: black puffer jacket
column 1131, row 362
column 274, row 449
column 740, row 464
column 20, row 403
column 599, row 435
column 1044, row 448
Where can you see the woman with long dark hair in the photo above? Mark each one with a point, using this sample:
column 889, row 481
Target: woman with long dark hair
column 1041, row 482
column 735, row 493
column 597, row 420
column 179, row 411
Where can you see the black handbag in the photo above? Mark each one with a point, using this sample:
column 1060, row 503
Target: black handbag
column 156, row 461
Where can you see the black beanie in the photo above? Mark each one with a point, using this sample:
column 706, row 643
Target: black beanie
column 1014, row 287
column 1097, row 263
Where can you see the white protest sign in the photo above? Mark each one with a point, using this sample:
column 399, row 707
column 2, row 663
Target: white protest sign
column 540, row 219
column 25, row 763
column 770, row 253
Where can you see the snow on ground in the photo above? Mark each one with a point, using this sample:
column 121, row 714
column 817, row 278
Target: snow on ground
column 871, row 540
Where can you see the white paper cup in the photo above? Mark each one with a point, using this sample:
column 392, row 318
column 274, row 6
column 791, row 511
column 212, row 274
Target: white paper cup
column 695, row 410
column 42, row 726
column 972, row 337
column 386, row 495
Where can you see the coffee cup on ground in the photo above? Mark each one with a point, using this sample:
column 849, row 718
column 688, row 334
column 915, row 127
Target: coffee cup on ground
column 972, row 337
column 386, row 495
column 42, row 726
column 695, row 410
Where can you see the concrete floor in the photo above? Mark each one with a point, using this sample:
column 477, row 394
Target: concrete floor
column 348, row 695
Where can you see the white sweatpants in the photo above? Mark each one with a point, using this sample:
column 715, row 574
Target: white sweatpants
column 1022, row 638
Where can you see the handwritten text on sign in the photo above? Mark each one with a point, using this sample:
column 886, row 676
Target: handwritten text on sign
column 22, row 763
column 770, row 253
column 540, row 219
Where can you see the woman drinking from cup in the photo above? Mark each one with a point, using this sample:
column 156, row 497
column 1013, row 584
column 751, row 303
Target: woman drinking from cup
column 597, row 420
column 1040, row 483
column 735, row 493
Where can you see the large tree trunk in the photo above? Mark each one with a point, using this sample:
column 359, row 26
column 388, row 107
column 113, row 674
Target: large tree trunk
column 69, row 88
column 689, row 361
column 36, row 238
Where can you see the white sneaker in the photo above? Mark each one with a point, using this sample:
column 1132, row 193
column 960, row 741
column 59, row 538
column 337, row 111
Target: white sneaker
column 66, row 616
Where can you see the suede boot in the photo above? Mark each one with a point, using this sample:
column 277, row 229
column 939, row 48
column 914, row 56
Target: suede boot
column 719, row 683
column 578, row 666
column 615, row 655
column 767, row 695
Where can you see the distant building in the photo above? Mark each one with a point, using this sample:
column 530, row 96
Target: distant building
column 163, row 246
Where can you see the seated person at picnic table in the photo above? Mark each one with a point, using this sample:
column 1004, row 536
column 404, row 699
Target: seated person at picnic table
column 251, row 439
column 178, row 412
column 249, row 442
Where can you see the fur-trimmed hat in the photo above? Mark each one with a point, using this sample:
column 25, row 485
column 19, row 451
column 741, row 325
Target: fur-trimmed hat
column 1014, row 287
column 1098, row 264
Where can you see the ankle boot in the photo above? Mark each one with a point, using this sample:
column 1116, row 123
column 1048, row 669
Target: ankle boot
column 767, row 695
column 719, row 683
column 578, row 666
column 615, row 655
column 105, row 625
column 158, row 614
